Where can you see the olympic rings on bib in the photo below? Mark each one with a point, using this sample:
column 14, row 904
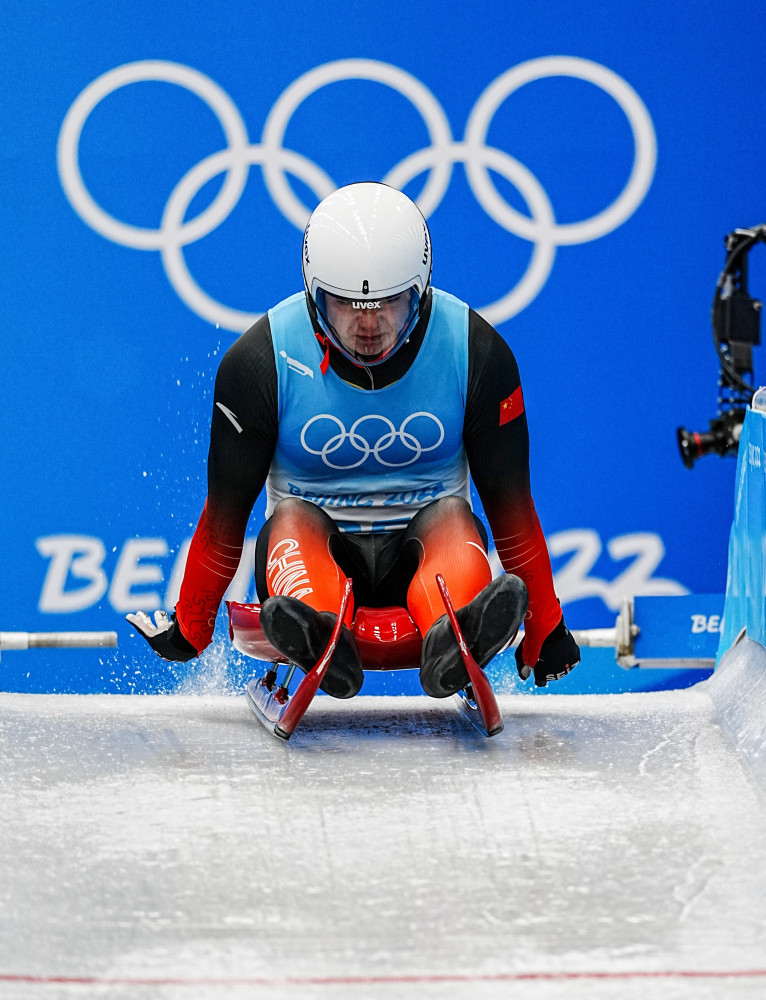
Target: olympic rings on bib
column 359, row 443
column 539, row 227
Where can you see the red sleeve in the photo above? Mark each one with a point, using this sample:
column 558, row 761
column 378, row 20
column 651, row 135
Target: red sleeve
column 243, row 434
column 522, row 550
column 496, row 439
column 210, row 567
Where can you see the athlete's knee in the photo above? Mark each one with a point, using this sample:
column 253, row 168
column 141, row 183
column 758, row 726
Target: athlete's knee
column 290, row 506
column 450, row 505
column 444, row 507
column 296, row 509
column 444, row 511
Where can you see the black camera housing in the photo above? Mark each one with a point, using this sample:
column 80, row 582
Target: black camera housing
column 736, row 318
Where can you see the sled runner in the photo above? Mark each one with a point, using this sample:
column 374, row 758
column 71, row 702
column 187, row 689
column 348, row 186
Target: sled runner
column 387, row 639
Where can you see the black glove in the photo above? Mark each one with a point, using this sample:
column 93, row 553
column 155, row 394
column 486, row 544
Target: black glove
column 558, row 654
column 164, row 635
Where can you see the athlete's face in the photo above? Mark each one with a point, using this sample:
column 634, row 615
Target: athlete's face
column 368, row 328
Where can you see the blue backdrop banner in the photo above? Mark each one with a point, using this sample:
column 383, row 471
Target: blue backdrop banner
column 579, row 166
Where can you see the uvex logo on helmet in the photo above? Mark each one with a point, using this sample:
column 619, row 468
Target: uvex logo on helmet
column 365, row 305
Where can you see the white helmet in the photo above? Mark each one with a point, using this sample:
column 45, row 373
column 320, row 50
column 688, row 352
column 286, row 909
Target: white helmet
column 365, row 243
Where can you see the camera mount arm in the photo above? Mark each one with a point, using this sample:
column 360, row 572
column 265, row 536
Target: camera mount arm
column 735, row 315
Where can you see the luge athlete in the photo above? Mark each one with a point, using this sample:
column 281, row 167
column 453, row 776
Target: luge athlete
column 365, row 404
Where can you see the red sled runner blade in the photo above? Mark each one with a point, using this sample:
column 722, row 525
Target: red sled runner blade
column 477, row 700
column 278, row 710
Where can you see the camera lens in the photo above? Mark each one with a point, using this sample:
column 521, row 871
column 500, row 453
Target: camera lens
column 695, row 444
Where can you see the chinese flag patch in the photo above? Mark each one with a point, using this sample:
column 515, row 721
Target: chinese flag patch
column 511, row 407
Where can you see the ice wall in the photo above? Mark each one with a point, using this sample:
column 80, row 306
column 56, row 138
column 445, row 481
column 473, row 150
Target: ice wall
column 738, row 690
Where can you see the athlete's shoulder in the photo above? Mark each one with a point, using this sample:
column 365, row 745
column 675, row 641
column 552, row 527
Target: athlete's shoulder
column 253, row 340
column 485, row 344
column 448, row 320
column 249, row 362
column 294, row 306
column 448, row 299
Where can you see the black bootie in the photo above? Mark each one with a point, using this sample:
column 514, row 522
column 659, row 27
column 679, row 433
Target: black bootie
column 488, row 623
column 301, row 634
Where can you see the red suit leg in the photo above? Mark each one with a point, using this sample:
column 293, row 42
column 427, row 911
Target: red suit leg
column 299, row 562
column 450, row 544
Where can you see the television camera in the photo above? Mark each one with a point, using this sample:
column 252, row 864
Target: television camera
column 736, row 321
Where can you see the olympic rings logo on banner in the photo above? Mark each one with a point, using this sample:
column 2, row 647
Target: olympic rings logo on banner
column 360, row 443
column 539, row 227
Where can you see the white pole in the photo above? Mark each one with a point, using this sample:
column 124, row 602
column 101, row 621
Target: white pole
column 56, row 640
column 604, row 637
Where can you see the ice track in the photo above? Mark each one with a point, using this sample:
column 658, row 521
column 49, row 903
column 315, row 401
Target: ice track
column 169, row 848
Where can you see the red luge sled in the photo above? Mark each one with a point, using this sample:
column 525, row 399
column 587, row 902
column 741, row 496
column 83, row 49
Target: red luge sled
column 387, row 638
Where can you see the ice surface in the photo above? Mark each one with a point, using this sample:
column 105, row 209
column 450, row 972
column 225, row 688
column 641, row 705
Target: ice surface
column 167, row 847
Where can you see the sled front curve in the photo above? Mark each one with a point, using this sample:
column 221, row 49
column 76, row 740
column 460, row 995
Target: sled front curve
column 387, row 639
column 477, row 700
column 278, row 710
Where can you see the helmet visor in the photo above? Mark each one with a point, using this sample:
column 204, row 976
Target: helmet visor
column 368, row 330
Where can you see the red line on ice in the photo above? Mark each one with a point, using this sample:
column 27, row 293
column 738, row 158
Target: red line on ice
column 501, row 977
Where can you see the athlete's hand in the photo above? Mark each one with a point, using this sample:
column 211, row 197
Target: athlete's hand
column 163, row 635
column 558, row 654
